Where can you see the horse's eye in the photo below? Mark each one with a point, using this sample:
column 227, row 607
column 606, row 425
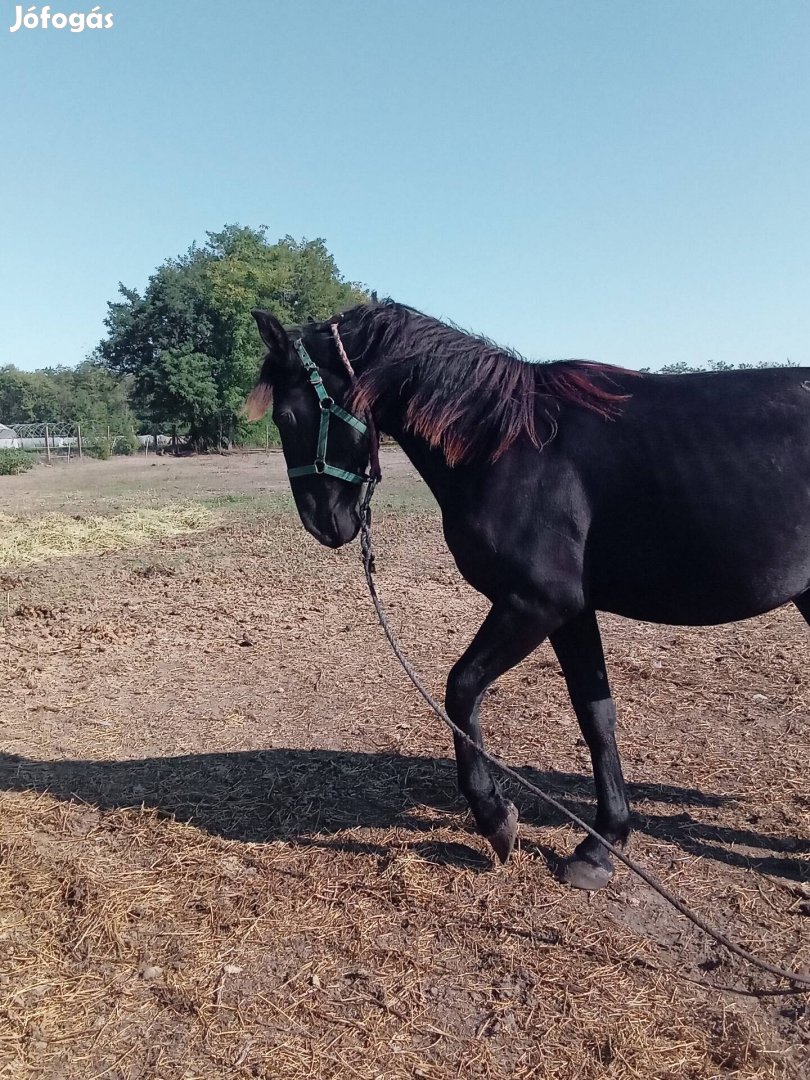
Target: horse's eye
column 284, row 419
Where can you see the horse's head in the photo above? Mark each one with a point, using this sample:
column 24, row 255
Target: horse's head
column 326, row 448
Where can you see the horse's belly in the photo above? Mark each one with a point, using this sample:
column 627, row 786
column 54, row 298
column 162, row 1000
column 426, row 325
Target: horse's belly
column 700, row 588
column 689, row 611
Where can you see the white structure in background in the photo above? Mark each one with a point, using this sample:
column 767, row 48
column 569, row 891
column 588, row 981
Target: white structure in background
column 69, row 436
column 56, row 442
column 51, row 438
column 149, row 440
column 9, row 440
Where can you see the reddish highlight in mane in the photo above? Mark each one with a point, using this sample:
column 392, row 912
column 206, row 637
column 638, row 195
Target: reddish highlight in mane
column 442, row 425
column 464, row 395
column 573, row 383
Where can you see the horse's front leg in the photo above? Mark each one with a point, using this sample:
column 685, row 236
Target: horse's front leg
column 579, row 649
column 507, row 636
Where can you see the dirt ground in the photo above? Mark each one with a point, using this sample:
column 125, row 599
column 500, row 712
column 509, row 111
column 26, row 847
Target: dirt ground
column 118, row 484
column 231, row 845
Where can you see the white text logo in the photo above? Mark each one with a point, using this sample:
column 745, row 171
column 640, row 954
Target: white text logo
column 44, row 18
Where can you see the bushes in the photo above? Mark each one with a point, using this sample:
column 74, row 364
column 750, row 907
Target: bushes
column 102, row 445
column 125, row 444
column 101, row 450
column 13, row 462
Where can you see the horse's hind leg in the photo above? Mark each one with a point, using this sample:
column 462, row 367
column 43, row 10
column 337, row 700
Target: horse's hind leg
column 579, row 649
column 505, row 638
column 803, row 604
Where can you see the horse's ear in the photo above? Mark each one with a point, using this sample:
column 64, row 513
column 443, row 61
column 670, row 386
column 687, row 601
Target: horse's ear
column 273, row 333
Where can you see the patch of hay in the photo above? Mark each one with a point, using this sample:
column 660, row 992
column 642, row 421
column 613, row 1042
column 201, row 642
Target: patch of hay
column 26, row 540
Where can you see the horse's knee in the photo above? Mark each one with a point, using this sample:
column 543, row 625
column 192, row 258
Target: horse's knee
column 463, row 690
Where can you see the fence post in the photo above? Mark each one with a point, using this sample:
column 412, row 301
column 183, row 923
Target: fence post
column 79, row 439
column 266, row 436
column 47, row 445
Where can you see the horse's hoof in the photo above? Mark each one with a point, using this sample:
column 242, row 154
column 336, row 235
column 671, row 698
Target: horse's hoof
column 503, row 839
column 585, row 875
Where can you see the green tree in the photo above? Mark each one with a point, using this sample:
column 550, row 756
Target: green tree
column 189, row 343
column 87, row 394
column 26, row 397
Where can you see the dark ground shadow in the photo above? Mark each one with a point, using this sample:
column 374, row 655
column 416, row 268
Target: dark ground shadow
column 307, row 796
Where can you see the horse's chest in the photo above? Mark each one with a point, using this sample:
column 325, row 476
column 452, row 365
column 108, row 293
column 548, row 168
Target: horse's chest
column 496, row 560
column 476, row 553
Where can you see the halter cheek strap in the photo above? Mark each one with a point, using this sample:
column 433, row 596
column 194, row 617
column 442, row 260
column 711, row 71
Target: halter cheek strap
column 329, row 408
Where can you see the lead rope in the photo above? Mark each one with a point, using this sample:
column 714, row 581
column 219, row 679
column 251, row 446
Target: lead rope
column 631, row 864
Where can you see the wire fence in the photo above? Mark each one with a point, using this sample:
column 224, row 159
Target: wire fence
column 71, row 439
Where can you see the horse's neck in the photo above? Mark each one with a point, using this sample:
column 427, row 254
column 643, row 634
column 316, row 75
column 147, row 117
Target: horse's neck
column 428, row 462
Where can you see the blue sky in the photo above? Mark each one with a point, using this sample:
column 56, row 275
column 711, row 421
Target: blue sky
column 624, row 181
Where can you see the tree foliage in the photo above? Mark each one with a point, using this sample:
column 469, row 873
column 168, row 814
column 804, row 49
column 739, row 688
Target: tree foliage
column 189, row 343
column 87, row 394
column 682, row 368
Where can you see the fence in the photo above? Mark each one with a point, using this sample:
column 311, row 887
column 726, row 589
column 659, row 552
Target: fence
column 69, row 439
column 51, row 439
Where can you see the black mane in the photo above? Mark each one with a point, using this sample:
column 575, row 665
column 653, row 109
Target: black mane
column 465, row 394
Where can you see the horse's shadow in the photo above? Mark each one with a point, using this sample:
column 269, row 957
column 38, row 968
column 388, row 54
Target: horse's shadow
column 311, row 797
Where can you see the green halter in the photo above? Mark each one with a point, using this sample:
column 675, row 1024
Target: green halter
column 320, row 467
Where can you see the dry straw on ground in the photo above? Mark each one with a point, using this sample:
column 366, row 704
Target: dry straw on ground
column 26, row 540
column 145, row 948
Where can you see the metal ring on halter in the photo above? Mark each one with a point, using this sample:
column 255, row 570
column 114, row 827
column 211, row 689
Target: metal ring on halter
column 327, row 404
column 320, row 466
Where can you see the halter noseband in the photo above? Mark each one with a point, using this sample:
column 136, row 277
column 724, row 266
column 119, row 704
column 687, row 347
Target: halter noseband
column 329, row 408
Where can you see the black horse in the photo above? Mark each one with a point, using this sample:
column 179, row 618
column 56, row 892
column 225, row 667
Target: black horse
column 565, row 489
